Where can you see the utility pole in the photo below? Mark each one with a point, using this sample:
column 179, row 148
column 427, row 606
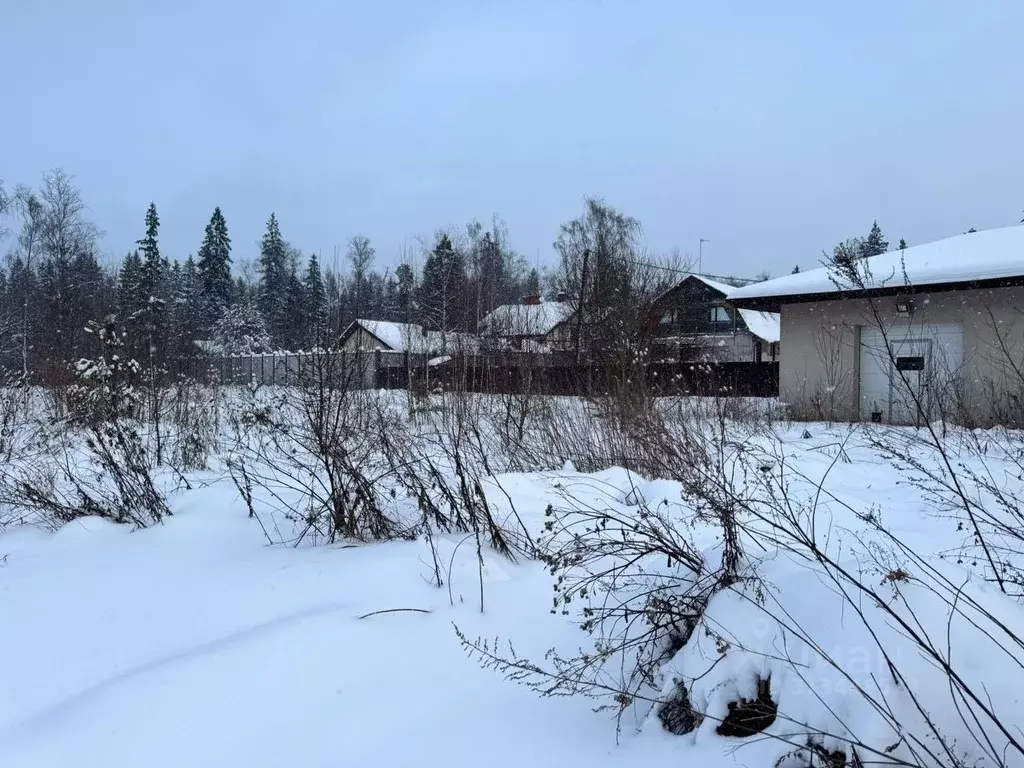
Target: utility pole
column 579, row 306
column 700, row 255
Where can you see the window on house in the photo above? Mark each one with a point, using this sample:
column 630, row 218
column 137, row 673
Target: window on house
column 669, row 317
column 720, row 315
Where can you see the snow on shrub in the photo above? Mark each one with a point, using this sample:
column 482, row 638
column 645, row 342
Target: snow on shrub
column 92, row 460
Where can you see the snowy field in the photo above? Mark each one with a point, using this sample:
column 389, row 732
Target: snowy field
column 197, row 642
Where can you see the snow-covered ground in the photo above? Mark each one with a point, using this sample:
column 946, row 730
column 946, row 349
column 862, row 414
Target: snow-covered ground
column 195, row 643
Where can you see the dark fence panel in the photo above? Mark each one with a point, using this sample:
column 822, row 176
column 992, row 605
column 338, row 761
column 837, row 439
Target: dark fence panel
column 473, row 374
column 734, row 379
column 496, row 373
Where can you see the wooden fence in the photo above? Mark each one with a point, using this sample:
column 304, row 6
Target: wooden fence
column 284, row 368
column 504, row 373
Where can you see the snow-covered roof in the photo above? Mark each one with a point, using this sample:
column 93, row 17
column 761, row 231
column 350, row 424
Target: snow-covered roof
column 718, row 284
column 765, row 325
column 525, row 319
column 397, row 336
column 994, row 254
column 715, row 285
column 410, row 337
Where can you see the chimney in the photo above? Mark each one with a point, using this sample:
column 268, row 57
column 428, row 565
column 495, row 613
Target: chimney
column 562, row 297
column 531, row 300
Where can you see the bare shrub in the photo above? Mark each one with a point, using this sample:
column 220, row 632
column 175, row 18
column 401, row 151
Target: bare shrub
column 312, row 451
column 194, row 424
column 645, row 594
column 833, row 344
column 91, row 456
column 16, row 404
column 642, row 584
column 445, row 466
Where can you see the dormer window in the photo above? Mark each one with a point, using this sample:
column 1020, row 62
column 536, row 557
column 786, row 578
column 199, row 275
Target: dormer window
column 720, row 316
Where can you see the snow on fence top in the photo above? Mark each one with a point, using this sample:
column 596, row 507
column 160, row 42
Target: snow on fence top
column 976, row 256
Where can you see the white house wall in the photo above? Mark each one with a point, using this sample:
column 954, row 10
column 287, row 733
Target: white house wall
column 819, row 373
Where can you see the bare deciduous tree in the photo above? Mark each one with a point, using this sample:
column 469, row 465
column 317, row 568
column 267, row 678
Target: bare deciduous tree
column 5, row 204
column 33, row 224
column 360, row 256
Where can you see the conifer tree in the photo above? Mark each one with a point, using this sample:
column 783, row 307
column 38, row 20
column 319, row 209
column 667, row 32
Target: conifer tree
column 443, row 290
column 406, row 290
column 129, row 285
column 152, row 265
column 87, row 298
column 875, row 244
column 241, row 291
column 187, row 307
column 532, row 284
column 903, row 244
column 335, row 303
column 296, row 329
column 274, row 282
column 215, row 268
column 150, row 328
column 315, row 304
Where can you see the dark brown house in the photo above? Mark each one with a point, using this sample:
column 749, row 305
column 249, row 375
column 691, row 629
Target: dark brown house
column 693, row 321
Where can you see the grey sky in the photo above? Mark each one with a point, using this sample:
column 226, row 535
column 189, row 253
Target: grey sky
column 772, row 128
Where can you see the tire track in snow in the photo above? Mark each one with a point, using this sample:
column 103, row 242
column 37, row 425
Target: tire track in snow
column 68, row 705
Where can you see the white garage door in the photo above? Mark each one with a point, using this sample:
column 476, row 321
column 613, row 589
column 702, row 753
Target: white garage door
column 906, row 372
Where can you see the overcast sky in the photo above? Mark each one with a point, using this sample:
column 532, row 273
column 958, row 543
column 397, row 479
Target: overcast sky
column 773, row 129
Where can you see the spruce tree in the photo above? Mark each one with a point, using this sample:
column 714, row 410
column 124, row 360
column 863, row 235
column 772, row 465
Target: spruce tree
column 152, row 266
column 903, row 244
column 337, row 315
column 374, row 303
column 241, row 331
column 294, row 331
column 215, row 268
column 177, row 332
column 191, row 288
column 152, row 286
column 796, row 270
column 129, row 286
column 533, row 282
column 274, row 282
column 443, row 290
column 188, row 306
column 88, row 299
column 406, row 289
column 241, row 291
column 315, row 304
column 875, row 244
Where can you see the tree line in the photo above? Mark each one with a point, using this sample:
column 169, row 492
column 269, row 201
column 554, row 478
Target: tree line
column 53, row 283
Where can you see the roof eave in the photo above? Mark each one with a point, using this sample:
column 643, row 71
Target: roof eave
column 775, row 303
